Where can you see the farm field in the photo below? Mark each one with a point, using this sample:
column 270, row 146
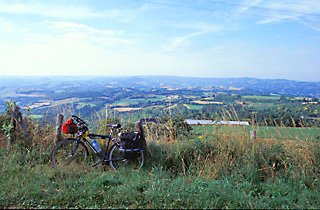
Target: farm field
column 263, row 132
column 262, row 97
column 127, row 102
column 195, row 106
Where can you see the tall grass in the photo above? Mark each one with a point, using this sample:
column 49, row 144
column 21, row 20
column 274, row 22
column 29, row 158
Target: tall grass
column 207, row 169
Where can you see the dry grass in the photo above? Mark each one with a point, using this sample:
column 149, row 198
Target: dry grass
column 219, row 171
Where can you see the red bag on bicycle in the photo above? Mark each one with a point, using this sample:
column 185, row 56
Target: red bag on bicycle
column 69, row 127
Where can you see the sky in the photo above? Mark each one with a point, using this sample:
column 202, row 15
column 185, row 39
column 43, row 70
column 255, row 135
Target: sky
column 270, row 39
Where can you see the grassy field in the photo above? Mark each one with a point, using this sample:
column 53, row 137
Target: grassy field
column 303, row 134
column 262, row 97
column 262, row 106
column 193, row 174
column 266, row 132
column 195, row 106
column 214, row 167
column 127, row 102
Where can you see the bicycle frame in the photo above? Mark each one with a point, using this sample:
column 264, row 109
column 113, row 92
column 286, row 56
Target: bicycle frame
column 103, row 156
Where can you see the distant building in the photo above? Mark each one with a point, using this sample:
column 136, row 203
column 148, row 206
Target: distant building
column 231, row 123
column 210, row 122
column 198, row 122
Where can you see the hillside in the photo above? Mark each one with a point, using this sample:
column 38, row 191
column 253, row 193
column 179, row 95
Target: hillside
column 133, row 97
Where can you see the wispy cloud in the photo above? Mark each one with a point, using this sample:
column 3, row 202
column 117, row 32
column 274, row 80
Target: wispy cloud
column 181, row 41
column 246, row 5
column 274, row 11
column 48, row 10
column 305, row 7
column 198, row 29
column 74, row 26
column 66, row 11
column 92, row 34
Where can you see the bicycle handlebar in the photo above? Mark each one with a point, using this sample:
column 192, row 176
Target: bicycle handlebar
column 78, row 119
column 74, row 116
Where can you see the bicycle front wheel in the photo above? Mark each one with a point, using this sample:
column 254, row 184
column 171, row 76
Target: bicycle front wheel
column 118, row 158
column 69, row 151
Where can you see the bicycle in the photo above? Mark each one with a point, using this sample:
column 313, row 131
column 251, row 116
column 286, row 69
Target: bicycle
column 75, row 150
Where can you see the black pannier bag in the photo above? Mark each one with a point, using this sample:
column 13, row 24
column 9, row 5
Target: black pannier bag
column 131, row 141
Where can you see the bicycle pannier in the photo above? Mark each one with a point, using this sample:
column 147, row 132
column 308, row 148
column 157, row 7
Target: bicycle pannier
column 69, row 127
column 131, row 140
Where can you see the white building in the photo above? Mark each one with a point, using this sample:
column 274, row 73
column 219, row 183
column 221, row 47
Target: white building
column 210, row 122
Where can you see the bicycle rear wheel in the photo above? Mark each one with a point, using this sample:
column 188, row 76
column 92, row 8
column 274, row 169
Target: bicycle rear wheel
column 69, row 151
column 118, row 158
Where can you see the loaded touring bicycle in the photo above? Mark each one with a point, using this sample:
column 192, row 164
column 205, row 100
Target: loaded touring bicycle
column 121, row 149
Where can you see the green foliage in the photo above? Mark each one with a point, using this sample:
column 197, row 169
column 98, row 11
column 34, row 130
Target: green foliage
column 9, row 105
column 7, row 128
column 5, row 125
column 177, row 176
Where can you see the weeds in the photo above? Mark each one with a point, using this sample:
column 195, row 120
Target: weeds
column 216, row 171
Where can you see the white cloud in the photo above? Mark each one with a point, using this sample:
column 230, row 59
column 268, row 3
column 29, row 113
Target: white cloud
column 70, row 11
column 73, row 26
column 305, row 7
column 275, row 11
column 199, row 28
column 70, row 56
column 87, row 33
column 312, row 25
column 73, row 54
column 248, row 4
column 48, row 10
column 302, row 12
column 62, row 48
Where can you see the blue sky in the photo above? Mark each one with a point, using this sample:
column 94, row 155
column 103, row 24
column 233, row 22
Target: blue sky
column 203, row 38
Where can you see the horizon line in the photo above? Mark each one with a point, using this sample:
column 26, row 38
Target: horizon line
column 179, row 76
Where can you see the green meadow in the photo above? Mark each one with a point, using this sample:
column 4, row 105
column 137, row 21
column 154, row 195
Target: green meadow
column 263, row 132
column 214, row 167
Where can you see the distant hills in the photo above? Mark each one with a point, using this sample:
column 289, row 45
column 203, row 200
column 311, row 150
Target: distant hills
column 262, row 86
column 242, row 86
